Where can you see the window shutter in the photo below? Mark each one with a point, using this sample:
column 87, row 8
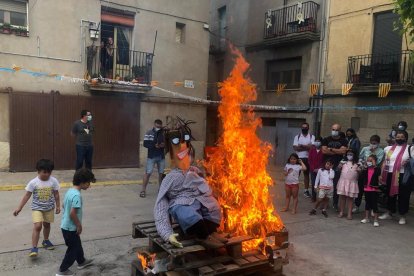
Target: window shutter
column 13, row 6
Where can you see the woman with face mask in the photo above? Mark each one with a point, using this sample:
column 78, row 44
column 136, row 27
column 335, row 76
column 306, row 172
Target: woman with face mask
column 353, row 140
column 396, row 156
column 348, row 183
column 372, row 149
column 315, row 163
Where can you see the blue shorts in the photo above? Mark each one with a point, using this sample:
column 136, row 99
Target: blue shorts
column 188, row 215
column 152, row 161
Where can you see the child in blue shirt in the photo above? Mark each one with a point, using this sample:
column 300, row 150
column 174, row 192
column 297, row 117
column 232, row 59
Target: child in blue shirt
column 72, row 222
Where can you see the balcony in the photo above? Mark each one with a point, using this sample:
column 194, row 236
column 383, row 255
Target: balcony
column 217, row 42
column 367, row 71
column 291, row 24
column 119, row 70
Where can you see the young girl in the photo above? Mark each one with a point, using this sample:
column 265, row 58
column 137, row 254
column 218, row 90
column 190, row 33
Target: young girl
column 293, row 167
column 315, row 163
column 324, row 186
column 370, row 180
column 348, row 183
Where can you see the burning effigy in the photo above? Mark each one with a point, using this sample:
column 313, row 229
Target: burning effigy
column 225, row 222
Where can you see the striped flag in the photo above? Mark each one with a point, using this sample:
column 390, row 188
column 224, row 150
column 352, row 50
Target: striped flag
column 280, row 88
column 313, row 89
column 346, row 88
column 384, row 89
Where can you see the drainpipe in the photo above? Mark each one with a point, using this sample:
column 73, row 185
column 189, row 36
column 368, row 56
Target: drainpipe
column 82, row 46
column 322, row 67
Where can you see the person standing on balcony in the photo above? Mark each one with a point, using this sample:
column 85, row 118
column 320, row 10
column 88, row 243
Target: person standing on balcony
column 102, row 58
column 302, row 143
column 334, row 147
column 83, row 130
column 154, row 142
column 109, row 64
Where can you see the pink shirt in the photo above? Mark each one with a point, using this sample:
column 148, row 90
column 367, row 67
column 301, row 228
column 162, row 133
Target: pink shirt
column 368, row 188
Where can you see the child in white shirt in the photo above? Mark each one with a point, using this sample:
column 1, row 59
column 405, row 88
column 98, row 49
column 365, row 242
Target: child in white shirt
column 324, row 187
column 291, row 171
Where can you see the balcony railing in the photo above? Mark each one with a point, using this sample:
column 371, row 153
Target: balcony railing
column 292, row 19
column 395, row 68
column 119, row 64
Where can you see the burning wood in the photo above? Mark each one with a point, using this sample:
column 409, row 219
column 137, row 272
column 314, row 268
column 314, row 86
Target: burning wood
column 238, row 167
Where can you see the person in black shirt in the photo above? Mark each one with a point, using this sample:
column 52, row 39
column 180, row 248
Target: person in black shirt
column 334, row 147
column 83, row 129
column 154, row 142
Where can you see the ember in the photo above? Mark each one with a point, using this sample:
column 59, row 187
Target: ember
column 238, row 167
column 147, row 261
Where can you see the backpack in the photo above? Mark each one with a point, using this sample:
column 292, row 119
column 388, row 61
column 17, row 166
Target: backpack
column 408, row 178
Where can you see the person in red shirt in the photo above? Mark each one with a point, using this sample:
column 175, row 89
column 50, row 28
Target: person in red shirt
column 315, row 163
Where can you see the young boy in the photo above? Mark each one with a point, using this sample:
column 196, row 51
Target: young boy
column 324, row 186
column 45, row 190
column 72, row 222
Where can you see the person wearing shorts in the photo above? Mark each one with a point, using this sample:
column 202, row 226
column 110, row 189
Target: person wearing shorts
column 324, row 186
column 292, row 170
column 45, row 191
column 154, row 142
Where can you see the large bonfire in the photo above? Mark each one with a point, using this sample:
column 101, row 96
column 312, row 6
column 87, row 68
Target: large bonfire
column 237, row 168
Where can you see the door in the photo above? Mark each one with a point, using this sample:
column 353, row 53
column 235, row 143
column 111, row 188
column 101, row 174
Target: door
column 286, row 130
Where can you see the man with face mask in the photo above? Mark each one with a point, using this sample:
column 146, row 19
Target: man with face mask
column 154, row 142
column 401, row 126
column 334, row 147
column 83, row 129
column 302, row 143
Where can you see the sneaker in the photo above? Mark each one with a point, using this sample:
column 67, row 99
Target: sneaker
column 324, row 213
column 365, row 221
column 47, row 245
column 307, row 194
column 86, row 263
column 33, row 252
column 312, row 212
column 355, row 210
column 385, row 216
column 402, row 221
column 376, row 224
column 64, row 273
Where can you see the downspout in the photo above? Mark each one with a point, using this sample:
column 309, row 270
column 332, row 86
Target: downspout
column 322, row 67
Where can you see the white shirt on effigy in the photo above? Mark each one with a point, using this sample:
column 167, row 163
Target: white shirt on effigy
column 301, row 139
column 293, row 176
column 405, row 157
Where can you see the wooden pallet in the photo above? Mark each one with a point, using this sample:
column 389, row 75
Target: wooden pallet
column 194, row 259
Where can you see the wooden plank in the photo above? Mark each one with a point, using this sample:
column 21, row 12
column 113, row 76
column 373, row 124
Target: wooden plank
column 261, row 257
column 145, row 221
column 150, row 230
column 235, row 250
column 231, row 267
column 188, row 249
column 205, row 262
column 218, row 267
column 241, row 262
column 205, row 270
column 238, row 239
column 252, row 259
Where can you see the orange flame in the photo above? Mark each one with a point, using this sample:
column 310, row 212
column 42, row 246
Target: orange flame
column 147, row 260
column 237, row 167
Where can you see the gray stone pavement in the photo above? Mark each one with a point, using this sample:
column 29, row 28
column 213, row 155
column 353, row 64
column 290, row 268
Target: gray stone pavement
column 319, row 246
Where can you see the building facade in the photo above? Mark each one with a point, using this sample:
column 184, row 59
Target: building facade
column 124, row 50
column 364, row 50
column 282, row 42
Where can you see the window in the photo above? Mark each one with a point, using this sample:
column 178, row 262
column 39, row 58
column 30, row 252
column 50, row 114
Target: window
column 179, row 32
column 286, row 71
column 13, row 12
column 222, row 26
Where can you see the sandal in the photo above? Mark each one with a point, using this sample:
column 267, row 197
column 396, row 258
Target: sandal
column 340, row 215
column 284, row 210
column 142, row 194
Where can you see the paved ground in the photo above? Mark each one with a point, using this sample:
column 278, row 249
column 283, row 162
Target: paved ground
column 320, row 246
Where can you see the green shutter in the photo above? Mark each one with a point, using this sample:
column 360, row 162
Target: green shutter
column 13, row 5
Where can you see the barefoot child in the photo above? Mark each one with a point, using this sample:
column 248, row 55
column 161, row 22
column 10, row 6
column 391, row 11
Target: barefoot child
column 45, row 190
column 324, row 187
column 291, row 171
column 72, row 222
column 370, row 179
column 348, row 183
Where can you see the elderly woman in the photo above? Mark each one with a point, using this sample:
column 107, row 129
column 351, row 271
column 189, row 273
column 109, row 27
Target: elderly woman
column 396, row 156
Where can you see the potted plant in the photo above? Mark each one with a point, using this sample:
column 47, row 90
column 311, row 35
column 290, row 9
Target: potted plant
column 22, row 31
column 6, row 28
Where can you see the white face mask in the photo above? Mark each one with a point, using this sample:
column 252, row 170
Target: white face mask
column 374, row 146
column 350, row 157
column 401, row 127
column 369, row 164
column 317, row 144
column 89, row 117
column 157, row 129
column 335, row 133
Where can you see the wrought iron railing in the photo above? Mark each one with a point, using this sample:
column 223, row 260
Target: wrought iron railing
column 396, row 68
column 119, row 64
column 298, row 18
